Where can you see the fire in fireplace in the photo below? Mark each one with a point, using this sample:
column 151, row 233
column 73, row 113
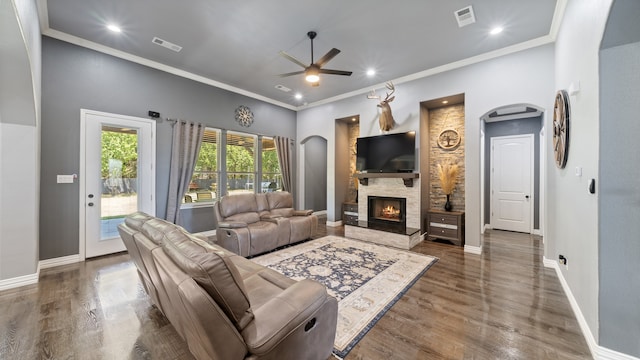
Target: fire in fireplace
column 387, row 211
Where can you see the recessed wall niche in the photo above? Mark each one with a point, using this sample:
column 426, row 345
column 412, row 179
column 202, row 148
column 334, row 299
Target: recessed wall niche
column 354, row 133
column 442, row 121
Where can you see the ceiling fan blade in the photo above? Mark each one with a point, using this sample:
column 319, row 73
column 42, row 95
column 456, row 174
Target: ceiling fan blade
column 292, row 73
column 292, row 59
column 328, row 56
column 336, row 72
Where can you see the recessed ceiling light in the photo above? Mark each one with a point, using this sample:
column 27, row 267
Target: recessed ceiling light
column 114, row 28
column 496, row 30
column 445, row 101
column 298, row 96
column 371, row 72
column 353, row 119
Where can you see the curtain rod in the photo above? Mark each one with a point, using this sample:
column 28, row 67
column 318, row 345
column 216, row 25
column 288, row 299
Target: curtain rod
column 174, row 121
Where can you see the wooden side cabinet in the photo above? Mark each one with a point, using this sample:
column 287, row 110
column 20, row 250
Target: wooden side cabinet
column 446, row 225
column 350, row 213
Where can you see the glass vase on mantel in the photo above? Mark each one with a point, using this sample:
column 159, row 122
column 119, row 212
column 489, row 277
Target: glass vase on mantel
column 447, row 205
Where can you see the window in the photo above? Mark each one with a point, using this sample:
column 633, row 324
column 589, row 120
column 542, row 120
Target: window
column 240, row 162
column 248, row 157
column 204, row 182
column 271, row 175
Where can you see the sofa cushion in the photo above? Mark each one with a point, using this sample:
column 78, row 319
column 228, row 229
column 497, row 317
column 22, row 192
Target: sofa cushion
column 212, row 269
column 155, row 229
column 280, row 203
column 136, row 220
column 248, row 218
column 236, row 204
column 263, row 205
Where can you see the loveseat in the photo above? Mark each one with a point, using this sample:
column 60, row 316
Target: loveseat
column 251, row 224
column 223, row 305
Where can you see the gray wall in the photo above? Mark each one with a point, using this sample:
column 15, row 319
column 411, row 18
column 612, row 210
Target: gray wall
column 76, row 78
column 315, row 168
column 619, row 210
column 506, row 128
column 571, row 213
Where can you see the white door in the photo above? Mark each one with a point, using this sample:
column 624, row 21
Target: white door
column 117, row 177
column 511, row 182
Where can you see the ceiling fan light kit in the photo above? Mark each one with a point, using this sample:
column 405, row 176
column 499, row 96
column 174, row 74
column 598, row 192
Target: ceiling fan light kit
column 312, row 71
column 312, row 74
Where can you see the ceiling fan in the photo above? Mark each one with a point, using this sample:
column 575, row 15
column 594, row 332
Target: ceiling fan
column 312, row 71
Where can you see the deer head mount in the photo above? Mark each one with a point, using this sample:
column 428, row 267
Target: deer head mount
column 386, row 118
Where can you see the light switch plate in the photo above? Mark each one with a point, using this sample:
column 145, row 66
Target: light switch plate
column 65, row 179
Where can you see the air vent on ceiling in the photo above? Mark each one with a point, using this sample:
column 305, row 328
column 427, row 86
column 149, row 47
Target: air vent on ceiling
column 168, row 45
column 465, row 16
column 282, row 88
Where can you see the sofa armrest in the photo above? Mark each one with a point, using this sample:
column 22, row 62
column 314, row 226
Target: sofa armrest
column 234, row 238
column 232, row 225
column 283, row 314
column 270, row 218
column 302, row 212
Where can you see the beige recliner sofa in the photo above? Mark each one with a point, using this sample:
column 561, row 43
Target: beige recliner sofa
column 251, row 224
column 223, row 305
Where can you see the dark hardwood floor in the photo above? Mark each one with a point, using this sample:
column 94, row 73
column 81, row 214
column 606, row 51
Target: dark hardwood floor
column 501, row 305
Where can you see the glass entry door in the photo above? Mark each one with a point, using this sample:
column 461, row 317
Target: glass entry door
column 119, row 177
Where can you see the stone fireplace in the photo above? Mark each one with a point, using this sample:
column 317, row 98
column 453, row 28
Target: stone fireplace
column 387, row 211
column 391, row 188
column 394, row 202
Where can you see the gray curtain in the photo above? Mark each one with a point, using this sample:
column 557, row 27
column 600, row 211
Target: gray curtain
column 185, row 146
column 285, row 160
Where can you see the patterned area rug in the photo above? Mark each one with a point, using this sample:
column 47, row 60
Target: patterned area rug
column 367, row 279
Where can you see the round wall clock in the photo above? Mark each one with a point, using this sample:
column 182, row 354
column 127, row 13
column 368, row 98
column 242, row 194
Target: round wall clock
column 244, row 116
column 448, row 139
column 561, row 112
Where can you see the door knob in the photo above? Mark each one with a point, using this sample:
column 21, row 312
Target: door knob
column 90, row 204
column 526, row 196
column 90, row 196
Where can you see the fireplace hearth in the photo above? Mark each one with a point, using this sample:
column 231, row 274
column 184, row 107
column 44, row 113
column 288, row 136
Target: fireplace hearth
column 387, row 211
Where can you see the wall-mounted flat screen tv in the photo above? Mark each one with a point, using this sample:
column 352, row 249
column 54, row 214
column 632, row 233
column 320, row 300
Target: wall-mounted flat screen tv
column 388, row 153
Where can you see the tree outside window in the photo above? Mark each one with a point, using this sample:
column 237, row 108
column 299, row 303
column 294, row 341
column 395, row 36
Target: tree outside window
column 240, row 162
column 271, row 175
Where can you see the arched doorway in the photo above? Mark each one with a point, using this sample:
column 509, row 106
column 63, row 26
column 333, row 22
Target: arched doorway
column 314, row 184
column 512, row 125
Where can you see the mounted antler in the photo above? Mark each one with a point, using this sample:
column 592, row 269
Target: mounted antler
column 386, row 118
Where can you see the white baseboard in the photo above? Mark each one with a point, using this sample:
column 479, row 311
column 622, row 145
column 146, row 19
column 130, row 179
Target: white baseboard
column 19, row 281
column 598, row 352
column 334, row 223
column 550, row 263
column 586, row 331
column 608, row 354
column 64, row 260
column 473, row 249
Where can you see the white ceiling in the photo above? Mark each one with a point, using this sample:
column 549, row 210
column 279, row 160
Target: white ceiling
column 235, row 44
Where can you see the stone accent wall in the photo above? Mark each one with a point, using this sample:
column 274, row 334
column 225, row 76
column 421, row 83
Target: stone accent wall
column 392, row 187
column 354, row 133
column 450, row 117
